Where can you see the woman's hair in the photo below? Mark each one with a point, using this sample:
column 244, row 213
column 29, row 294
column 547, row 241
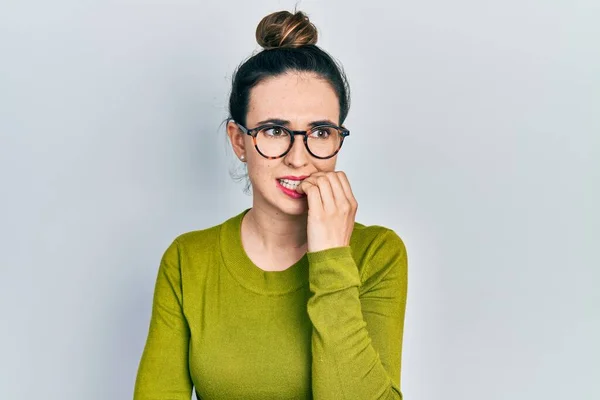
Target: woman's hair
column 289, row 45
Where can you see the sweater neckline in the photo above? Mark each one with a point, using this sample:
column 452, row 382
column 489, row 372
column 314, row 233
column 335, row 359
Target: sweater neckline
column 248, row 274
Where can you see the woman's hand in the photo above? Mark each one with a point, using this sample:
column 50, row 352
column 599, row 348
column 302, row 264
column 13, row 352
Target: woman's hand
column 331, row 210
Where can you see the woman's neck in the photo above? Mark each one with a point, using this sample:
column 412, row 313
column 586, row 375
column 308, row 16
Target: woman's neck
column 274, row 232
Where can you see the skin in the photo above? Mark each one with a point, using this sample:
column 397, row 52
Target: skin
column 278, row 230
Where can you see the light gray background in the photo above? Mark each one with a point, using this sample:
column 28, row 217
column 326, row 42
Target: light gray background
column 475, row 135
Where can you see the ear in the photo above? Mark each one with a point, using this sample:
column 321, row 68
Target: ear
column 236, row 137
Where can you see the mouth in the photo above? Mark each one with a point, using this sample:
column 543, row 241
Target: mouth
column 291, row 184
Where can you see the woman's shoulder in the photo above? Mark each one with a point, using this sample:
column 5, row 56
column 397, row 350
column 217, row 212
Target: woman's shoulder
column 377, row 250
column 370, row 241
column 369, row 234
column 201, row 239
column 204, row 235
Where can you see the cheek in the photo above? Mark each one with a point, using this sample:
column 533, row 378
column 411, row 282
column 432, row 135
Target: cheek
column 260, row 170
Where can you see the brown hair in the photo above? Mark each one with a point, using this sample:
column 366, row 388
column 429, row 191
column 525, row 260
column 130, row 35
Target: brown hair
column 289, row 43
column 284, row 29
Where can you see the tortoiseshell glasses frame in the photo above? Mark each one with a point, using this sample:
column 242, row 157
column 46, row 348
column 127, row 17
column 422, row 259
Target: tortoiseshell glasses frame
column 254, row 131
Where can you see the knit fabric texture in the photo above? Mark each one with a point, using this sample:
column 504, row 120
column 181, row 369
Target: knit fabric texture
column 329, row 327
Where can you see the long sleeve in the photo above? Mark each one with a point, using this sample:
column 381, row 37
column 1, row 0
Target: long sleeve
column 163, row 371
column 358, row 320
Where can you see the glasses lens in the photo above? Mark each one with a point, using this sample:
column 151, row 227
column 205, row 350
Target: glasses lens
column 324, row 141
column 273, row 141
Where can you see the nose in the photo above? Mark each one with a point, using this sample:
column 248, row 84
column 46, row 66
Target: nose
column 298, row 155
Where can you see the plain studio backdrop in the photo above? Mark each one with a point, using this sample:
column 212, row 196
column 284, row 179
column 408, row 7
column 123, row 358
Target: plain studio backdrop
column 475, row 136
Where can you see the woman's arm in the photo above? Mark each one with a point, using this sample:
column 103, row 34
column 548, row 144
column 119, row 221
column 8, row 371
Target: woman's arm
column 357, row 330
column 163, row 371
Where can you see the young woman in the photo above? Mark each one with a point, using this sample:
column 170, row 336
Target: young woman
column 290, row 299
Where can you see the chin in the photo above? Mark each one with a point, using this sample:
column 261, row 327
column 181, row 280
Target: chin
column 287, row 205
column 293, row 207
column 274, row 198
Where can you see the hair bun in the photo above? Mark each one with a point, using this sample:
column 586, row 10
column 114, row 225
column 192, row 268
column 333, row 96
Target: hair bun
column 284, row 29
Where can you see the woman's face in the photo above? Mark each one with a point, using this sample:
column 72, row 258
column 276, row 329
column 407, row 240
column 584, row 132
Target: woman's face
column 300, row 98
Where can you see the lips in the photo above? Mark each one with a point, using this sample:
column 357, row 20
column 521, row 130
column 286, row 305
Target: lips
column 294, row 178
column 289, row 191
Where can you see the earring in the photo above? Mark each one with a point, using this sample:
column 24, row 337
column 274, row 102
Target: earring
column 242, row 157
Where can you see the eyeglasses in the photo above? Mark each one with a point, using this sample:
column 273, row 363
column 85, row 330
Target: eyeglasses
column 275, row 141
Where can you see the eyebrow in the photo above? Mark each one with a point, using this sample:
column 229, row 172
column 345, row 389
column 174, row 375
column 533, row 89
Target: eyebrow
column 284, row 122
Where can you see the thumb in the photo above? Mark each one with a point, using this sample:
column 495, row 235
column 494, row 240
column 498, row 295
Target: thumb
column 303, row 186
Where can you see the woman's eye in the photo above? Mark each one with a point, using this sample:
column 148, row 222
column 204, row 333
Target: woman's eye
column 274, row 131
column 320, row 133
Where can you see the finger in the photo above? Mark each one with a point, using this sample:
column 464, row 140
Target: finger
column 306, row 183
column 339, row 184
column 346, row 186
column 326, row 191
column 312, row 179
column 313, row 196
column 339, row 193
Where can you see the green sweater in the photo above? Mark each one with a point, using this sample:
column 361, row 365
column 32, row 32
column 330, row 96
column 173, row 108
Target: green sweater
column 328, row 327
